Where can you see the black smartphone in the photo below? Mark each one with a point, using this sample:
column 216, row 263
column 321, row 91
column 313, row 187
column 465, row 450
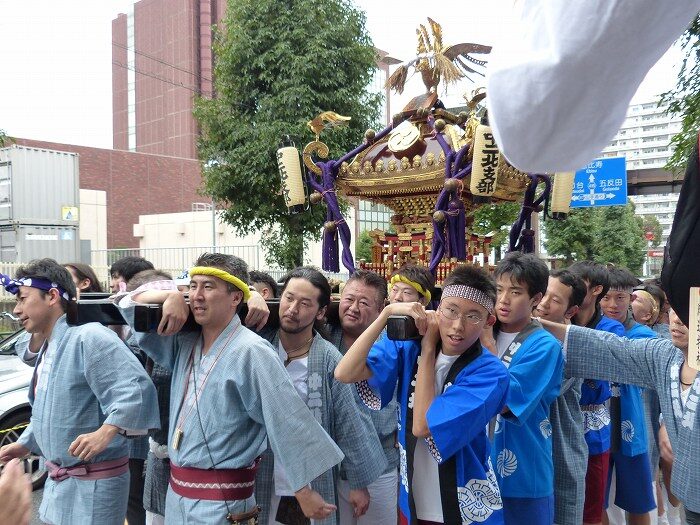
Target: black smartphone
column 401, row 328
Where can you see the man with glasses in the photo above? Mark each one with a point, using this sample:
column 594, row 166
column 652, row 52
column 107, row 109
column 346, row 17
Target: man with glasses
column 449, row 387
column 522, row 437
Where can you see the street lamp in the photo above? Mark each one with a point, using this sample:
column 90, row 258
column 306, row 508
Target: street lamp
column 649, row 235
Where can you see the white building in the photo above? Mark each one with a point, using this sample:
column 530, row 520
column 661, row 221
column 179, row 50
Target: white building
column 644, row 139
column 644, row 136
column 662, row 206
column 172, row 241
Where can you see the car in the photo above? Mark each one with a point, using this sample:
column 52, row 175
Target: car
column 15, row 411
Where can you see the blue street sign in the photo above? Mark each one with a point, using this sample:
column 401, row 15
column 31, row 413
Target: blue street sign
column 602, row 183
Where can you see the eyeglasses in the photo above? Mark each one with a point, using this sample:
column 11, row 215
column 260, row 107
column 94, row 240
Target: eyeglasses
column 453, row 314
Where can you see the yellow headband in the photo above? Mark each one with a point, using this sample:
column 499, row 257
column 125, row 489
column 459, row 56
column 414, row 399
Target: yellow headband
column 224, row 276
column 400, row 278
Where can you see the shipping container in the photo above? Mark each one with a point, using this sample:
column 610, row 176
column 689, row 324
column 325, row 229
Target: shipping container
column 20, row 243
column 39, row 186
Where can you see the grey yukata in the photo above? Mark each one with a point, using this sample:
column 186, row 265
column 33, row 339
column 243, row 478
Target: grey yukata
column 649, row 363
column 247, row 402
column 333, row 405
column 85, row 377
column 570, row 454
column 652, row 410
column 385, row 420
column 155, row 486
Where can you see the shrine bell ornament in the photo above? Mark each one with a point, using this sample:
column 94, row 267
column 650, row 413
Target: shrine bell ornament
column 293, row 189
column 562, row 190
column 485, row 160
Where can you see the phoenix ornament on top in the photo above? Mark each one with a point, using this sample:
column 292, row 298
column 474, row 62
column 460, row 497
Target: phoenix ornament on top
column 436, row 61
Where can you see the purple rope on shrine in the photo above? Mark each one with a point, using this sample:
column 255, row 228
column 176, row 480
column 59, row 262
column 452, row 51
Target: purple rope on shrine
column 522, row 236
column 449, row 236
column 440, row 243
column 437, row 250
column 333, row 214
column 456, row 229
column 460, row 157
column 326, row 187
column 359, row 149
column 441, row 141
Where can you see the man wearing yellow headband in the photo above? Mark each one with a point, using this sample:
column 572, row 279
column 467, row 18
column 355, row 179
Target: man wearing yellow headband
column 411, row 283
column 226, row 388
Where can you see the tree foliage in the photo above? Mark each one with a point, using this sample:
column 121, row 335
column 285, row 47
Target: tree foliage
column 273, row 74
column 620, row 238
column 4, row 139
column 496, row 219
column 363, row 246
column 609, row 234
column 572, row 238
column 684, row 99
column 651, row 224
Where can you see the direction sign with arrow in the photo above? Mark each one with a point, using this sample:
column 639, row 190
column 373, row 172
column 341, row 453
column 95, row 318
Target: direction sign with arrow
column 602, row 183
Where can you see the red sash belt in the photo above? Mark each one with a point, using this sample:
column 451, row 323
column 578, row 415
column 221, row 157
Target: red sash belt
column 213, row 484
column 101, row 470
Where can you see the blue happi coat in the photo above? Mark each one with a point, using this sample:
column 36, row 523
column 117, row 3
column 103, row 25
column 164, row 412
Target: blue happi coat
column 632, row 424
column 85, row 377
column 522, row 446
column 596, row 423
column 474, row 392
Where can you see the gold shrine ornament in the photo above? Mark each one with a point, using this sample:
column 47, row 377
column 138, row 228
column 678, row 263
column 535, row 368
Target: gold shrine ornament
column 403, row 137
column 484, row 163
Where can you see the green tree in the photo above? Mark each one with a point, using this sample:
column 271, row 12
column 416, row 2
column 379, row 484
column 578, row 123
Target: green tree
column 496, row 219
column 572, row 238
column 363, row 246
column 610, row 234
column 651, row 224
column 273, row 74
column 3, row 138
column 620, row 238
column 684, row 99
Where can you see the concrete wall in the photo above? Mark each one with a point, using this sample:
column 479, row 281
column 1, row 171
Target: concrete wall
column 93, row 218
column 134, row 183
column 171, row 240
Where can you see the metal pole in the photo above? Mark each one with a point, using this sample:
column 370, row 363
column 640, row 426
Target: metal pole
column 213, row 225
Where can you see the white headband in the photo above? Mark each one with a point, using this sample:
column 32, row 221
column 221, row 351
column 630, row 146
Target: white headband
column 626, row 289
column 470, row 293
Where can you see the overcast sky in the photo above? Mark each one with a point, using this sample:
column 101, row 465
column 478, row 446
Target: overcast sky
column 55, row 76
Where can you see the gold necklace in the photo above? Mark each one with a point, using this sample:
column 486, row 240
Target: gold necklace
column 290, row 357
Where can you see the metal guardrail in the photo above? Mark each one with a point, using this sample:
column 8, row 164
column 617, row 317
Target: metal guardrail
column 176, row 259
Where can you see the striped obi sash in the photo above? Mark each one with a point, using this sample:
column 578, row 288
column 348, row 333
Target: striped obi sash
column 214, row 484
